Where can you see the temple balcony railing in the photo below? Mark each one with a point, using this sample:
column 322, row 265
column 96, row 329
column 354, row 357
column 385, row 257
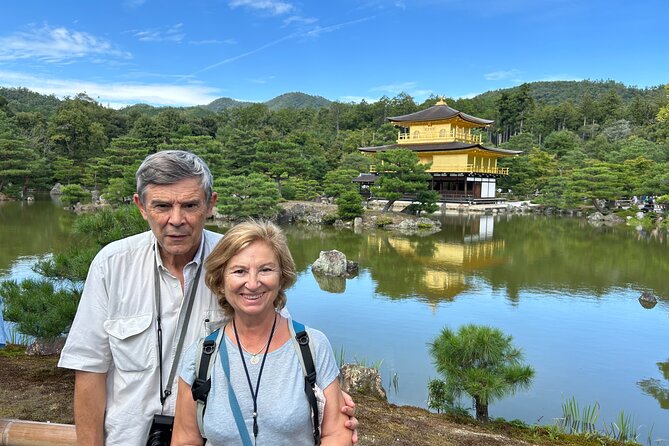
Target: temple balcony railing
column 438, row 137
column 459, row 168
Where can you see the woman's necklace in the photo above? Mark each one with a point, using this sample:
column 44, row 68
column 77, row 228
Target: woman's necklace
column 255, row 359
column 254, row 393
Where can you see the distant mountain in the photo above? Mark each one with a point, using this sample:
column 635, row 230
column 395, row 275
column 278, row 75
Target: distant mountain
column 557, row 92
column 225, row 103
column 297, row 100
column 24, row 100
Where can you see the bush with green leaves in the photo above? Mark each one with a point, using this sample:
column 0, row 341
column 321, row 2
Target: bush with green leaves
column 349, row 205
column 438, row 397
column 300, row 189
column 96, row 230
column 245, row 196
column 479, row 361
column 72, row 194
column 38, row 308
column 336, row 182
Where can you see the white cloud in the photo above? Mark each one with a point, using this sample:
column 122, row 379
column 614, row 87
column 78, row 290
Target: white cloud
column 269, row 6
column 172, row 33
column 55, row 45
column 502, row 75
column 299, row 20
column 115, row 94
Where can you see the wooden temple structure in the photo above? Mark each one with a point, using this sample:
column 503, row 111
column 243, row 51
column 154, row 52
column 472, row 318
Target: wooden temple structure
column 462, row 169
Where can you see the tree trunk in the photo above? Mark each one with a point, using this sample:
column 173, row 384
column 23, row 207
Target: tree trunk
column 388, row 206
column 481, row 410
column 600, row 209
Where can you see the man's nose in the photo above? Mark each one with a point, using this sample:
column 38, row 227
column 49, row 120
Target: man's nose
column 176, row 216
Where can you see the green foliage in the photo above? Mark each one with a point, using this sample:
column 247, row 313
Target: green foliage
column 95, row 231
column 349, row 205
column 663, row 113
column 339, row 181
column 600, row 181
column 241, row 197
column 72, row 194
column 300, row 189
column 559, row 126
column 575, row 421
column 438, row 397
column 72, row 264
column 19, row 163
column 482, row 362
column 383, row 221
column 37, row 308
column 426, row 202
column 329, row 219
column 109, row 225
column 399, row 173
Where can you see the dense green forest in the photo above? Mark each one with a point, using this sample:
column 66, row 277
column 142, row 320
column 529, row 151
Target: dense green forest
column 580, row 140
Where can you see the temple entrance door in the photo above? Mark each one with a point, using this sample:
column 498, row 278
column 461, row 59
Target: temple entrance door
column 476, row 190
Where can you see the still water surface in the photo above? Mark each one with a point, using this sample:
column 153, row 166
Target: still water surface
column 566, row 292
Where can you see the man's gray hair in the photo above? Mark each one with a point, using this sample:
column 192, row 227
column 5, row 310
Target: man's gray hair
column 172, row 166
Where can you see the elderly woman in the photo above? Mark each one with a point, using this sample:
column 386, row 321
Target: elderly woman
column 250, row 270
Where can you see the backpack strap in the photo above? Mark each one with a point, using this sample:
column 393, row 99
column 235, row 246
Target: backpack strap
column 304, row 353
column 203, row 365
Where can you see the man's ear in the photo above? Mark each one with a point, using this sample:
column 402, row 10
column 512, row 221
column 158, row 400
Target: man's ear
column 139, row 205
column 212, row 203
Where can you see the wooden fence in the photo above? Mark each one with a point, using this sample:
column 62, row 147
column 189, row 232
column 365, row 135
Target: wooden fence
column 31, row 433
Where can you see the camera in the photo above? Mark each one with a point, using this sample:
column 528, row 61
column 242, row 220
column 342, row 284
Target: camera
column 160, row 433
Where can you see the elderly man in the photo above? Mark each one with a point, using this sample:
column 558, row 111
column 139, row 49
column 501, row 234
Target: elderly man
column 143, row 302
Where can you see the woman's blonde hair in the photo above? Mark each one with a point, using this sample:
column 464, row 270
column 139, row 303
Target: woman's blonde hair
column 238, row 238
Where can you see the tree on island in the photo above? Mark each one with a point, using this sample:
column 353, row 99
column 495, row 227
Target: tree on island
column 400, row 173
column 479, row 361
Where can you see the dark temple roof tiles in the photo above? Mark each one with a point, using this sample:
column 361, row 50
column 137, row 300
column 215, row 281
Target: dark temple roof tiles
column 439, row 113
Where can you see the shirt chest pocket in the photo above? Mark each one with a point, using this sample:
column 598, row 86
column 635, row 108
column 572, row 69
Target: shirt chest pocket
column 131, row 343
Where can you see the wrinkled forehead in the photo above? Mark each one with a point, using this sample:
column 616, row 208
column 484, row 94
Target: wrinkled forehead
column 187, row 190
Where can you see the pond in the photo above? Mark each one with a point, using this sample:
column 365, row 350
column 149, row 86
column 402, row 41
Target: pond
column 566, row 291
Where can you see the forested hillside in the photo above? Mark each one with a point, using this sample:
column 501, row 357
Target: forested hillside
column 579, row 140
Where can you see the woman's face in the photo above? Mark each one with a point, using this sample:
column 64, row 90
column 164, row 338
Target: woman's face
column 252, row 279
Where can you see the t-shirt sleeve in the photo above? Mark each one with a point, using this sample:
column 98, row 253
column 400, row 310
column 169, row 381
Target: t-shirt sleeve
column 187, row 366
column 326, row 365
column 87, row 345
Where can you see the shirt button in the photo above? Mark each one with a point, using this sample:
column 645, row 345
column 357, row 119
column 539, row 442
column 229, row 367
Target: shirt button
column 174, row 285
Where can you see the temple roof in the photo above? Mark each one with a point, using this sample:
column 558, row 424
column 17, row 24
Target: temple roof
column 439, row 112
column 366, row 178
column 439, row 147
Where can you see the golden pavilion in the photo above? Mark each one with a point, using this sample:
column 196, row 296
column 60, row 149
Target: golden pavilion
column 462, row 169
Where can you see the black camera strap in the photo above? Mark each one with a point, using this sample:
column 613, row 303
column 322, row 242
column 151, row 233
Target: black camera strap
column 182, row 327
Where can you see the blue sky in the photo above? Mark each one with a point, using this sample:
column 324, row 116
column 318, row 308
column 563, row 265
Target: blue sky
column 185, row 53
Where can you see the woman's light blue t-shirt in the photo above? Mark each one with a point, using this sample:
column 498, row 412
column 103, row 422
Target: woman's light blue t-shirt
column 284, row 414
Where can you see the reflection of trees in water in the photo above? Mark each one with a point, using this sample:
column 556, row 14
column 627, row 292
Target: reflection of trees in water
column 655, row 388
column 571, row 255
column 525, row 252
column 430, row 267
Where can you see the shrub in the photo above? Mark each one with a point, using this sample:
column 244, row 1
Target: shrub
column 37, row 308
column 349, row 205
column 482, row 362
column 73, row 194
column 329, row 219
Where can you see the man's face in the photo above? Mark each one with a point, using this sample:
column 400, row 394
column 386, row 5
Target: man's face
column 176, row 214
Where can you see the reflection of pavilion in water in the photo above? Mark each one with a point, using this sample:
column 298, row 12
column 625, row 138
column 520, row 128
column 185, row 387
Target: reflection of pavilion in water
column 445, row 270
